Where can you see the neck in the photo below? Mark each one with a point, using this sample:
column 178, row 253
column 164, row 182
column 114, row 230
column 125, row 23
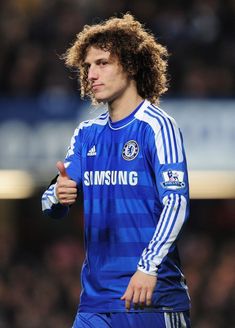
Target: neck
column 123, row 106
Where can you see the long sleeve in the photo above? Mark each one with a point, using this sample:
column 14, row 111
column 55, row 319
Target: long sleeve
column 50, row 202
column 167, row 157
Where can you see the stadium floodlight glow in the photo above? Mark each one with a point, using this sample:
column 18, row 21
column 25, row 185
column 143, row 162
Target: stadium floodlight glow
column 212, row 184
column 15, row 184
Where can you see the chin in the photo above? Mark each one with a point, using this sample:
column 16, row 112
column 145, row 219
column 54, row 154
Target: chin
column 101, row 99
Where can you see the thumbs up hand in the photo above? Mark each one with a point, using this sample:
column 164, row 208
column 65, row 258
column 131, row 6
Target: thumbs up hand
column 66, row 188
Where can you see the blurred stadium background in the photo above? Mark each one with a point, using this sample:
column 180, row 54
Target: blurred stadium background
column 40, row 259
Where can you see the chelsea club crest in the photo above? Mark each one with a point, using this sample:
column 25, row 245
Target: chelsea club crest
column 130, row 150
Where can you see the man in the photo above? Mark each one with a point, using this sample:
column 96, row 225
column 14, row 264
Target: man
column 120, row 163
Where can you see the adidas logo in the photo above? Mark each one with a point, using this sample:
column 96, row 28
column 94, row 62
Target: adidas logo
column 92, row 151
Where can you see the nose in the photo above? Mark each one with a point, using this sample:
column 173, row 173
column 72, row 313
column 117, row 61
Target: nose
column 92, row 73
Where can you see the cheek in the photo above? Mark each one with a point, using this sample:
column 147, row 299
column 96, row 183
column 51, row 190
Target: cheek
column 117, row 84
column 116, row 79
column 123, row 82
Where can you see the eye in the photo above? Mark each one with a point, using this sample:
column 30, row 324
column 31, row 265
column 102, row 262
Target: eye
column 103, row 62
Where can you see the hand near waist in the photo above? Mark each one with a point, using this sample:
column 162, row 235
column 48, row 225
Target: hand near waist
column 140, row 290
column 66, row 188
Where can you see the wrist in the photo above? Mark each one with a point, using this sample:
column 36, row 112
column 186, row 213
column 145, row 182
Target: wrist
column 149, row 272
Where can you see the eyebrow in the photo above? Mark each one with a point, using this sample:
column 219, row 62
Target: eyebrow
column 99, row 59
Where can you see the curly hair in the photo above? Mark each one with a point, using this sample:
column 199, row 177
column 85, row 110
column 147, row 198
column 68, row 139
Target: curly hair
column 141, row 56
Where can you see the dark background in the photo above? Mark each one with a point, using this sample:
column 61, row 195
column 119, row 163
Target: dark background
column 40, row 259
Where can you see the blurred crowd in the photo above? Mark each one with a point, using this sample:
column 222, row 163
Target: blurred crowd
column 210, row 272
column 199, row 34
column 40, row 288
column 41, row 259
column 39, row 292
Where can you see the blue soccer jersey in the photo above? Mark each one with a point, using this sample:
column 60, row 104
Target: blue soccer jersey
column 133, row 177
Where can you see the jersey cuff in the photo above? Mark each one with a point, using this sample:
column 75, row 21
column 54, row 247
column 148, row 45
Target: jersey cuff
column 151, row 272
column 53, row 198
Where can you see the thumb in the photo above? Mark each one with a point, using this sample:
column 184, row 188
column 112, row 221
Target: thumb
column 60, row 166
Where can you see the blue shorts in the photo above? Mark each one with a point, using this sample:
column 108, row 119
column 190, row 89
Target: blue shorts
column 132, row 320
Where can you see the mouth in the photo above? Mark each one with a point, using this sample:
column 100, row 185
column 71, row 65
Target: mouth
column 96, row 87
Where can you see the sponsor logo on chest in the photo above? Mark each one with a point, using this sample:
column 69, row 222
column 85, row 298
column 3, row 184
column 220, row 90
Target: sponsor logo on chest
column 129, row 152
column 110, row 177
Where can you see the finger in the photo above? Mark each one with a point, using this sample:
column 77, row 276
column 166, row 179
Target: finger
column 66, row 183
column 63, row 196
column 136, row 298
column 142, row 298
column 60, row 166
column 149, row 297
column 66, row 193
column 66, row 190
column 128, row 297
column 128, row 304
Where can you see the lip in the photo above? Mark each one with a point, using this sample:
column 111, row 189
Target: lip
column 96, row 86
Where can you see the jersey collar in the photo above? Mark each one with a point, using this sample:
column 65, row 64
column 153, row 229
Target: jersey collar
column 126, row 120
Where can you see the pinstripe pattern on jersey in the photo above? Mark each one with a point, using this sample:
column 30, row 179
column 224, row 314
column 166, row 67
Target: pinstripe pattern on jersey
column 119, row 221
column 100, row 120
column 175, row 320
column 168, row 227
column 49, row 191
column 167, row 135
column 174, row 132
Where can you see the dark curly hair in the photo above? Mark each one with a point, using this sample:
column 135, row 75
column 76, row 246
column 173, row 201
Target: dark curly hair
column 141, row 56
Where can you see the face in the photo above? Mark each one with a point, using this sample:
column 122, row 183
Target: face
column 105, row 74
